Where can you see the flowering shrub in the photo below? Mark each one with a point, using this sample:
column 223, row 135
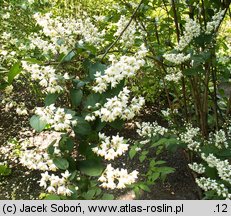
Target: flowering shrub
column 97, row 97
column 84, row 69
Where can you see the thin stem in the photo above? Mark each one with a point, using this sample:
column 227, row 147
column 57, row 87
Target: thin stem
column 203, row 13
column 121, row 34
column 156, row 32
column 214, row 78
column 176, row 20
column 228, row 111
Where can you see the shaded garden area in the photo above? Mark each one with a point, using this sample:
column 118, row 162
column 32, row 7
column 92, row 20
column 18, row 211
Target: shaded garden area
column 115, row 99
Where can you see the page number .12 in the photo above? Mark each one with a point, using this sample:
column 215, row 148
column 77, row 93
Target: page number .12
column 221, row 208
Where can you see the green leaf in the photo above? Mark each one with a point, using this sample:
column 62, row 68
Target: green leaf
column 51, row 148
column 144, row 187
column 69, row 56
column 82, row 127
column 165, row 141
column 69, row 145
column 52, row 197
column 99, row 124
column 37, row 123
column 3, row 85
column 4, row 170
column 91, row 100
column 211, row 172
column 117, row 124
column 190, row 72
column 137, row 191
column 78, row 83
column 160, row 162
column 76, row 97
column 14, row 71
column 61, row 163
column 91, row 167
column 203, row 39
column 143, row 156
column 107, row 196
column 94, row 67
column 132, row 152
column 51, row 99
column 33, row 61
column 114, row 91
column 66, row 143
column 166, row 170
column 73, row 175
column 225, row 153
column 89, row 195
column 154, row 176
column 98, row 191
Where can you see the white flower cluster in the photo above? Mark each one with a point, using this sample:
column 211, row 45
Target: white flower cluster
column 120, row 69
column 55, row 184
column 219, row 139
column 177, row 58
column 223, row 167
column 192, row 30
column 56, row 117
column 210, row 184
column 10, row 150
column 189, row 136
column 37, row 157
column 9, row 103
column 167, row 112
column 9, row 89
column 148, row 129
column 32, row 152
column 128, row 36
column 198, row 168
column 174, row 77
column 110, row 148
column 63, row 33
column 216, row 19
column 30, row 1
column 21, row 109
column 46, row 76
column 118, row 107
column 115, row 178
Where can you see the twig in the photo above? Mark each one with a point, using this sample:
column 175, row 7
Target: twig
column 121, row 34
column 176, row 20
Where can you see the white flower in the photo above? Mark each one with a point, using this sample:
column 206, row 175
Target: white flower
column 57, row 118
column 147, row 130
column 62, row 33
column 216, row 19
column 211, row 184
column 124, row 68
column 189, row 136
column 118, row 107
column 198, row 168
column 192, row 30
column 51, row 189
column 110, row 148
column 128, row 36
column 66, row 175
column 115, row 178
column 223, row 167
column 178, row 58
column 174, row 77
column 46, row 77
column 219, row 139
